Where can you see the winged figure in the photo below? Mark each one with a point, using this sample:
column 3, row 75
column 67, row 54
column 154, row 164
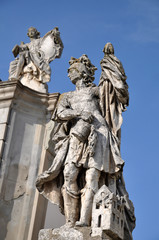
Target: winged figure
column 32, row 66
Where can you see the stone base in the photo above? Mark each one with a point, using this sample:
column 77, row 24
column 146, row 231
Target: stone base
column 24, row 149
column 65, row 233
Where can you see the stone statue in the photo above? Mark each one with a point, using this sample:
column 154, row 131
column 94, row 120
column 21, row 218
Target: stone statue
column 114, row 96
column 32, row 67
column 87, row 142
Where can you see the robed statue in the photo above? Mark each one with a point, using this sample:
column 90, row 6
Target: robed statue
column 86, row 139
column 32, row 68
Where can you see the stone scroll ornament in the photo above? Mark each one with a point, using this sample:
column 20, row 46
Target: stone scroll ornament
column 32, row 68
column 85, row 179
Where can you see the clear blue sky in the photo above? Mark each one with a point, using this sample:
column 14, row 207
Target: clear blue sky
column 133, row 28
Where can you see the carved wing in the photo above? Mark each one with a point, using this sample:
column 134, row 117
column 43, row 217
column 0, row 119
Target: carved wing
column 51, row 45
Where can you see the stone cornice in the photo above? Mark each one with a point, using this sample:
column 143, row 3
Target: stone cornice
column 12, row 91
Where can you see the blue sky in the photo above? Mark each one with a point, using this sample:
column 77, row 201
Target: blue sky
column 133, row 28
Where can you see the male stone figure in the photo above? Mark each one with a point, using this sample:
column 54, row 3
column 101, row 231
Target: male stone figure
column 32, row 67
column 87, row 152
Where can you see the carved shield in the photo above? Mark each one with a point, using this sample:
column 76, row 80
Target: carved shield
column 51, row 45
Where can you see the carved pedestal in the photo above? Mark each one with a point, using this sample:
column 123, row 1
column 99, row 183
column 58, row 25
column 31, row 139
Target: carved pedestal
column 24, row 114
column 64, row 233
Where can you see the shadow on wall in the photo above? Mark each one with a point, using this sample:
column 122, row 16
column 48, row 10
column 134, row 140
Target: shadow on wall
column 54, row 218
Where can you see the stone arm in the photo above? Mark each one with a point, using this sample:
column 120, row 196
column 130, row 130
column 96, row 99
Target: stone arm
column 19, row 48
column 66, row 113
column 64, row 110
column 69, row 114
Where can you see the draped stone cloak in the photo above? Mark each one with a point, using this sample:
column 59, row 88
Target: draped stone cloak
column 114, row 96
column 104, row 157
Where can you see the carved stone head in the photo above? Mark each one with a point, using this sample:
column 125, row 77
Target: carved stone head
column 81, row 68
column 33, row 33
column 108, row 48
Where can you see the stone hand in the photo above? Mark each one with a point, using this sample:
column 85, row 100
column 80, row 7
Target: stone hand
column 87, row 116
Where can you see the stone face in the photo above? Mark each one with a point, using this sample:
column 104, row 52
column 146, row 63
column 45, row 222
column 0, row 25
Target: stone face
column 32, row 67
column 22, row 133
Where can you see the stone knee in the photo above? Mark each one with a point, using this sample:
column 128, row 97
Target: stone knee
column 92, row 179
column 70, row 177
column 70, row 172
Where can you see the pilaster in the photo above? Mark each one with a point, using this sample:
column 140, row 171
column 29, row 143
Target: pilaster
column 24, row 118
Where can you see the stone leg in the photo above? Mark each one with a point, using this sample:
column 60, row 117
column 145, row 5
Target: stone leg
column 71, row 208
column 92, row 178
column 70, row 194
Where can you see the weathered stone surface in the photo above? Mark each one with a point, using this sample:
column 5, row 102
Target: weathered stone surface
column 1, row 148
column 83, row 141
column 86, row 149
column 2, row 131
column 65, row 233
column 108, row 214
column 45, row 234
column 4, row 113
column 26, row 114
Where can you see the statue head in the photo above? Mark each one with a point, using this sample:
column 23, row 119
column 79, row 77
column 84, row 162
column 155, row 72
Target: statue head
column 33, row 33
column 81, row 68
column 108, row 48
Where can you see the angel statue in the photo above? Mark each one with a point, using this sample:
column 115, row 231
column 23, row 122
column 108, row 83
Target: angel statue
column 32, row 68
column 86, row 146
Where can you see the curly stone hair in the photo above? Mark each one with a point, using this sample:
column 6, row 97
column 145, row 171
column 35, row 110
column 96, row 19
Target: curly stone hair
column 36, row 31
column 88, row 71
